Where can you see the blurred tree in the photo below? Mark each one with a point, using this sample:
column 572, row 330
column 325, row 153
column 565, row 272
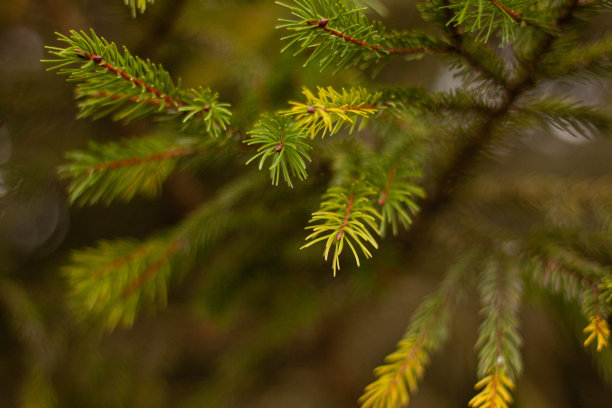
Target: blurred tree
column 448, row 172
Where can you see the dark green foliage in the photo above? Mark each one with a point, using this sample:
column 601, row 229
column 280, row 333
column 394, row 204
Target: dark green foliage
column 284, row 142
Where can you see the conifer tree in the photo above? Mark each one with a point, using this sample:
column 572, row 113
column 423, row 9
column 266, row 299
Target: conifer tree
column 411, row 152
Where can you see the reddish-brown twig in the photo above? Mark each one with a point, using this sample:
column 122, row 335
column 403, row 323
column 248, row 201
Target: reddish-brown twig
column 135, row 161
column 322, row 25
column 138, row 82
column 346, row 217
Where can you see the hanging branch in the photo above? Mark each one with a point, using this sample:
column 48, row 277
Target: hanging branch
column 499, row 361
column 117, row 83
column 427, row 331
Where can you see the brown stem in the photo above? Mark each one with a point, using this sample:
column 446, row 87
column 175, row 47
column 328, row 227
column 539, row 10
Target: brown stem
column 135, row 161
column 117, row 263
column 138, row 82
column 312, row 109
column 483, row 135
column 385, row 193
column 322, row 25
column 460, row 50
column 135, row 99
column 151, row 270
column 515, row 15
column 346, row 217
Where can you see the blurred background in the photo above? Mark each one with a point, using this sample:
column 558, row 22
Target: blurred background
column 260, row 323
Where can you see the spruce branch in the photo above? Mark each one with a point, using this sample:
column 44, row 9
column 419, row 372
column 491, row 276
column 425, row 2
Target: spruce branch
column 398, row 193
column 111, row 282
column 345, row 37
column 283, row 141
column 499, row 361
column 330, row 111
column 427, row 331
column 346, row 217
column 587, row 61
column 488, row 16
column 400, row 100
column 111, row 82
column 483, row 134
column 576, row 278
column 486, row 65
column 578, row 120
column 120, row 170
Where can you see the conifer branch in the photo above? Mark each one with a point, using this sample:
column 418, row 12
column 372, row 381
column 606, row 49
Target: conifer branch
column 344, row 36
column 111, row 282
column 427, row 331
column 130, row 88
column 410, row 99
column 485, row 132
column 578, row 279
column 398, row 193
column 515, row 15
column 283, row 141
column 487, row 64
column 98, row 287
column 322, row 24
column 330, row 111
column 499, row 361
column 578, row 120
column 585, row 61
column 346, row 217
column 488, row 16
column 120, row 170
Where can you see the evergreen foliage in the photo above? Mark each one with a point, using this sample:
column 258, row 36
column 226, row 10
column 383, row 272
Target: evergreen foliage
column 111, row 82
column 346, row 217
column 414, row 150
column 140, row 5
column 282, row 140
column 123, row 169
